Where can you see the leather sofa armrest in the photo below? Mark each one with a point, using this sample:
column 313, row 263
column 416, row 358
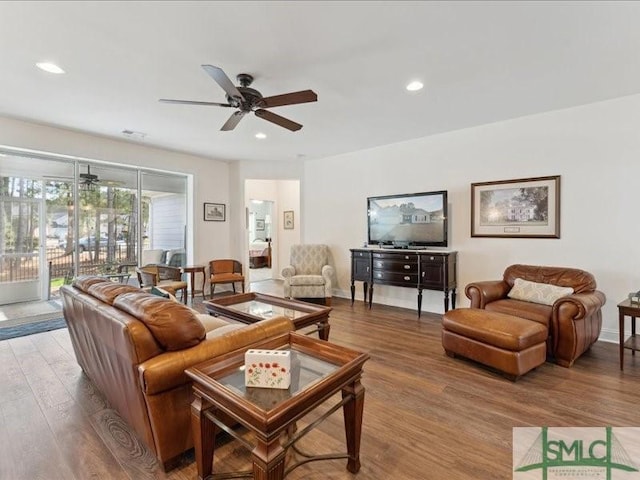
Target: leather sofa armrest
column 578, row 305
column 166, row 371
column 288, row 271
column 481, row 293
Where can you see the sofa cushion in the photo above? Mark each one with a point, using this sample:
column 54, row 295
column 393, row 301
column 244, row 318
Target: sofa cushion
column 109, row 291
column 85, row 281
column 210, row 323
column 173, row 325
column 307, row 280
column 535, row 292
column 518, row 308
column 229, row 327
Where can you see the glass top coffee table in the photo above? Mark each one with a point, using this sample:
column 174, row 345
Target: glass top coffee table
column 253, row 307
column 319, row 370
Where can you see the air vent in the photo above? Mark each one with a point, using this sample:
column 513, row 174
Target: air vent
column 134, row 134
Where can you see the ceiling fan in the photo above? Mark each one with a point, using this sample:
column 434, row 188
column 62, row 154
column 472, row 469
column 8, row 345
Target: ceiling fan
column 248, row 100
column 88, row 180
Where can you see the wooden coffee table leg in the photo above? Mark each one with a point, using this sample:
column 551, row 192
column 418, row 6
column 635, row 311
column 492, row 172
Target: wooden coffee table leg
column 204, row 434
column 268, row 460
column 323, row 330
column 353, row 423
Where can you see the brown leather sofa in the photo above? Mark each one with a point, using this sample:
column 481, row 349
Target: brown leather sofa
column 135, row 347
column 573, row 321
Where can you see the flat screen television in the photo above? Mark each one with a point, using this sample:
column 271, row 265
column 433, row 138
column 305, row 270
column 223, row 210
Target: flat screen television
column 408, row 220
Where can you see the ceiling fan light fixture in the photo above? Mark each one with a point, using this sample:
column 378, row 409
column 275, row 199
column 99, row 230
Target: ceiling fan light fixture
column 261, row 136
column 87, row 187
column 50, row 67
column 415, row 86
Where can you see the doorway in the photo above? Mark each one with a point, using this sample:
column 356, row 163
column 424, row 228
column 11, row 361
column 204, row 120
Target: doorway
column 260, row 240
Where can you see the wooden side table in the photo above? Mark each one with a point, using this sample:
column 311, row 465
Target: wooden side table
column 627, row 309
column 320, row 371
column 192, row 270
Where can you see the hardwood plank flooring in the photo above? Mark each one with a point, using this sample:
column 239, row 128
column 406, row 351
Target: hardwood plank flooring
column 426, row 416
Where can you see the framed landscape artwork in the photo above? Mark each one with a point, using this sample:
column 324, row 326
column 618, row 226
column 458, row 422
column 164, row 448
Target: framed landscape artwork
column 214, row 212
column 259, row 224
column 522, row 208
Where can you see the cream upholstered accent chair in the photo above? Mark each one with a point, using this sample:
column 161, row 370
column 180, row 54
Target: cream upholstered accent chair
column 309, row 273
column 152, row 257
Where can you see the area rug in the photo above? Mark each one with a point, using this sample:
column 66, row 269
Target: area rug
column 31, row 328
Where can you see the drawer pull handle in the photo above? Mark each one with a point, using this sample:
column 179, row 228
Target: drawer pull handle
column 406, row 257
column 407, row 278
column 407, row 267
column 432, row 258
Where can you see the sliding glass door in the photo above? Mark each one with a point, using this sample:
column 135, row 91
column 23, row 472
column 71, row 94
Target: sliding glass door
column 62, row 218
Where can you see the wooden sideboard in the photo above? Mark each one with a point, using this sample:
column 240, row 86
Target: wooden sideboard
column 419, row 269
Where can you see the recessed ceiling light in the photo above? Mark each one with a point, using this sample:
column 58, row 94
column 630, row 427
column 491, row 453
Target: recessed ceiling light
column 49, row 67
column 261, row 135
column 415, row 86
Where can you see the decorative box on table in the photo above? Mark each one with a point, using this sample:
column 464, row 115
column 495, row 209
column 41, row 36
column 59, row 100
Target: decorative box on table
column 267, row 368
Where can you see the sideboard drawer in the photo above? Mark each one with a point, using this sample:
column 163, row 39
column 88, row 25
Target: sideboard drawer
column 381, row 276
column 398, row 267
column 397, row 257
column 433, row 259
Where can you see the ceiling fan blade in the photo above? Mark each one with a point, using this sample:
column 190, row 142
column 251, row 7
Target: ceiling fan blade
column 304, row 96
column 234, row 119
column 194, row 102
column 221, row 78
column 278, row 120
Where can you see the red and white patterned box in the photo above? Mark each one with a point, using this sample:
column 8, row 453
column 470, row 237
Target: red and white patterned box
column 267, row 368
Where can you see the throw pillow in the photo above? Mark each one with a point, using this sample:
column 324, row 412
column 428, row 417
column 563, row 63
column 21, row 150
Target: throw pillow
column 534, row 292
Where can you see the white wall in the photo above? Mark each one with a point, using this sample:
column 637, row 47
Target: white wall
column 595, row 148
column 210, row 178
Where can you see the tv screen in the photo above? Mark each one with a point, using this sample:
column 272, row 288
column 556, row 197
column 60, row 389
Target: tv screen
column 408, row 220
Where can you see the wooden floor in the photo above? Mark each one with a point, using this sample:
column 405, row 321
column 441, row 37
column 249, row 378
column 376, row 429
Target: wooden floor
column 427, row 416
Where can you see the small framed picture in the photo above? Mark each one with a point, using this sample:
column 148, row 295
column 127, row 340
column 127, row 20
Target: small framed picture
column 288, row 220
column 214, row 212
column 259, row 224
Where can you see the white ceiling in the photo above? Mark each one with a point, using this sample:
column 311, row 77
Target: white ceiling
column 480, row 62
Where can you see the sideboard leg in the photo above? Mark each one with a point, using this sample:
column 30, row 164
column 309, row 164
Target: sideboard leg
column 365, row 288
column 446, row 300
column 353, row 292
column 453, row 298
column 370, row 295
column 419, row 302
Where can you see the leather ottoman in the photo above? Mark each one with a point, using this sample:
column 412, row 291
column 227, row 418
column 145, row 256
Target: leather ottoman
column 509, row 344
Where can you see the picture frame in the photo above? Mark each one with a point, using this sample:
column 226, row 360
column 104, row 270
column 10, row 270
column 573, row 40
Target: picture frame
column 259, row 224
column 214, row 212
column 520, row 208
column 288, row 220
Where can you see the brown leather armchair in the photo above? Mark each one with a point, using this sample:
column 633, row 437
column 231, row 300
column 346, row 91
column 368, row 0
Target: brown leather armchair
column 573, row 321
